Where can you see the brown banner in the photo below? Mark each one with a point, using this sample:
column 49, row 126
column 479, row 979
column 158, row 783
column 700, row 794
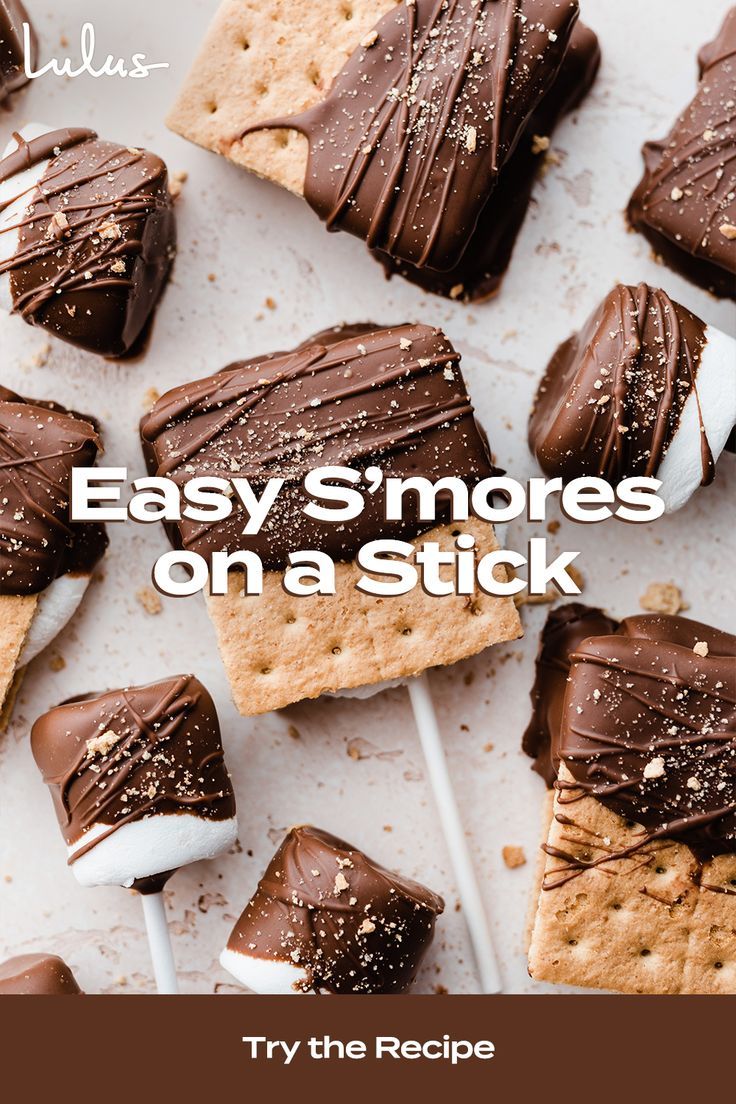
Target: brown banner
column 191, row 1047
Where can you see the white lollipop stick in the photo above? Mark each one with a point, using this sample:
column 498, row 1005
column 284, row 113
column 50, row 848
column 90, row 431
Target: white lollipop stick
column 159, row 942
column 467, row 883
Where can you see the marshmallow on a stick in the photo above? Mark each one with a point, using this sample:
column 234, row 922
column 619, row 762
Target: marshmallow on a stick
column 46, row 561
column 37, row 975
column 326, row 918
column 359, row 397
column 395, row 121
column 644, row 389
column 138, row 781
column 87, row 237
column 637, row 890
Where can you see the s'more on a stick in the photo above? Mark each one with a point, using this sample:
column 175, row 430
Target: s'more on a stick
column 415, row 125
column 46, row 562
column 359, row 397
column 638, row 888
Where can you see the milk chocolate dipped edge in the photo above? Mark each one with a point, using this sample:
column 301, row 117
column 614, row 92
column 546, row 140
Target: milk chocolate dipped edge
column 12, row 61
column 37, row 975
column 404, row 151
column 649, row 730
column 97, row 240
column 610, row 401
column 131, row 754
column 564, row 631
column 481, row 269
column 356, row 397
column 38, row 542
column 685, row 204
column 350, row 924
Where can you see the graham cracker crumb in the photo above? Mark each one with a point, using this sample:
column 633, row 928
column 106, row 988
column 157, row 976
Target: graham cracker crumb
column 150, row 600
column 150, row 398
column 513, row 857
column 663, row 598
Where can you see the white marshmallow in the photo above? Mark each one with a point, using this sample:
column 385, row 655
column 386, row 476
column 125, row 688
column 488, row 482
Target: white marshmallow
column 367, row 691
column 151, row 846
column 55, row 608
column 266, row 976
column 681, row 470
column 19, row 188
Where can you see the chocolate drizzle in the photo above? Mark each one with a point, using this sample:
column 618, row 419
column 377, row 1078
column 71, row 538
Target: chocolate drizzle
column 354, row 397
column 611, row 399
column 132, row 754
column 37, row 975
column 40, row 443
column 329, row 910
column 564, row 631
column 649, row 730
column 12, row 62
column 96, row 239
column 481, row 269
column 685, row 204
column 407, row 147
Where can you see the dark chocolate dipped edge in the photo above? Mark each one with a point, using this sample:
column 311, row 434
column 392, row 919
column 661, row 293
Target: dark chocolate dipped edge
column 564, row 631
column 649, row 730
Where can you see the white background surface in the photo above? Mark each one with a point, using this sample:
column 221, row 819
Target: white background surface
column 258, row 243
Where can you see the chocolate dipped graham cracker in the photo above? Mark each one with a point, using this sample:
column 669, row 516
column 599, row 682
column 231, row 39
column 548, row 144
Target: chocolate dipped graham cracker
column 359, row 397
column 638, row 890
column 12, row 60
column 645, row 388
column 46, row 561
column 479, row 273
column 685, row 204
column 327, row 919
column 408, row 114
column 564, row 630
column 87, row 237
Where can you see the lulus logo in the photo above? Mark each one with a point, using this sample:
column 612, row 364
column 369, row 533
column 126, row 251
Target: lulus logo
column 136, row 68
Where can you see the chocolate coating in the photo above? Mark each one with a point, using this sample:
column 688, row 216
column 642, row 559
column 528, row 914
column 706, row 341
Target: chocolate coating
column 408, row 144
column 481, row 269
column 97, row 240
column 131, row 754
column 685, row 204
column 649, row 729
column 12, row 62
column 564, row 631
column 354, row 397
column 40, row 443
column 612, row 396
column 324, row 906
column 37, row 975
